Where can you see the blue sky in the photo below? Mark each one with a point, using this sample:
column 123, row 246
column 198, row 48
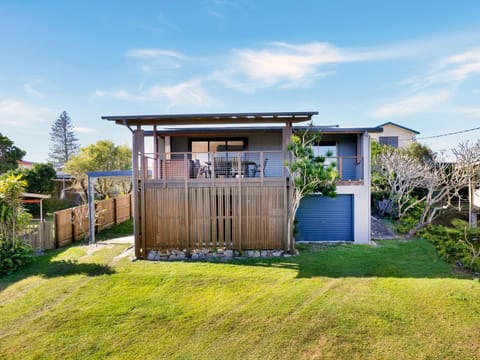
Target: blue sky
column 359, row 63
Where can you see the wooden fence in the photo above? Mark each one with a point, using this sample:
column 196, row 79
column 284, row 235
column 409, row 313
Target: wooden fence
column 73, row 224
column 40, row 235
column 239, row 218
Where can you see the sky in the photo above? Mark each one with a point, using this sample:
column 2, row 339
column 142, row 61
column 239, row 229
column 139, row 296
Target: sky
column 358, row 63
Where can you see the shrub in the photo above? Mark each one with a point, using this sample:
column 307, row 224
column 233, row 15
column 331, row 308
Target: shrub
column 410, row 219
column 456, row 244
column 13, row 257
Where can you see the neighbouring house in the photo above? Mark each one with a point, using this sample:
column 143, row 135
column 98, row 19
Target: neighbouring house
column 198, row 184
column 23, row 164
column 395, row 135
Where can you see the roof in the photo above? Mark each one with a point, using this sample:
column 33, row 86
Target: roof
column 325, row 129
column 36, row 196
column 216, row 118
column 110, row 173
column 341, row 130
column 399, row 126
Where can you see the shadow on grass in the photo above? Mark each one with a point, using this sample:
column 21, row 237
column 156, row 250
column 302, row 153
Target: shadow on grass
column 398, row 259
column 71, row 267
column 46, row 267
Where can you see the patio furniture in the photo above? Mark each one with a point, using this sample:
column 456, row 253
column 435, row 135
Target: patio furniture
column 221, row 167
column 193, row 168
column 259, row 168
column 205, row 171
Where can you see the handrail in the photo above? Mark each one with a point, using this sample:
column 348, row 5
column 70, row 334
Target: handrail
column 222, row 166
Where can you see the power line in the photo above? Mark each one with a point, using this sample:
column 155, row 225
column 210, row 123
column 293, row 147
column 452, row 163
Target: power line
column 448, row 134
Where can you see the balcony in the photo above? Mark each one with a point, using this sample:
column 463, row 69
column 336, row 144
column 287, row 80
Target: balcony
column 221, row 168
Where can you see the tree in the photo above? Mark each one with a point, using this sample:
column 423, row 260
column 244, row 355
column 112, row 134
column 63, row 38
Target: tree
column 436, row 184
column 12, row 214
column 64, row 142
column 400, row 174
column 102, row 156
column 309, row 173
column 468, row 157
column 40, row 179
column 9, row 154
column 443, row 183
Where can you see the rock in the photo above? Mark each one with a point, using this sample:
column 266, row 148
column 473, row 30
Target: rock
column 228, row 253
column 256, row 254
column 194, row 256
column 151, row 255
column 277, row 253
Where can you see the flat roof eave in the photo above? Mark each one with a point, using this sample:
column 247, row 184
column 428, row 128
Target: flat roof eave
column 198, row 131
column 215, row 118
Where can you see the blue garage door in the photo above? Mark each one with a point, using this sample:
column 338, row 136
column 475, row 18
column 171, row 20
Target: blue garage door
column 320, row 218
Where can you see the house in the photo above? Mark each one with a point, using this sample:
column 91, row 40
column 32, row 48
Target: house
column 25, row 165
column 395, row 135
column 219, row 186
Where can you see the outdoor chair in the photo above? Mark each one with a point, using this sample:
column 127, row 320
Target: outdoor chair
column 259, row 168
column 220, row 166
column 194, row 168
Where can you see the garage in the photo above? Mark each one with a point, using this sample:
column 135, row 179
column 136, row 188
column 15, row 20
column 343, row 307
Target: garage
column 320, row 218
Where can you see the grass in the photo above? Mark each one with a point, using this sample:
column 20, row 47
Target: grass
column 394, row 301
column 123, row 229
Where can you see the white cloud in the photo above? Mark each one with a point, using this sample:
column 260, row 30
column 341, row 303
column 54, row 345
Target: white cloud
column 152, row 53
column 417, row 103
column 31, row 91
column 20, row 114
column 187, row 94
column 451, row 70
column 291, row 65
column 469, row 111
column 153, row 59
column 83, row 130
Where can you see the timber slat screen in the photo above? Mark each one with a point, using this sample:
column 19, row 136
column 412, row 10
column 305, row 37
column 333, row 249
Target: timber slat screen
column 234, row 217
column 73, row 224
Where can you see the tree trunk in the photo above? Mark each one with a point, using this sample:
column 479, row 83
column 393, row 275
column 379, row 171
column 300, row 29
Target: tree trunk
column 416, row 229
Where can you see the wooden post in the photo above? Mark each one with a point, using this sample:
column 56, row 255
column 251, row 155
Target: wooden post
column 286, row 135
column 155, row 153
column 239, row 205
column 55, row 219
column 115, row 209
column 138, row 217
column 187, row 220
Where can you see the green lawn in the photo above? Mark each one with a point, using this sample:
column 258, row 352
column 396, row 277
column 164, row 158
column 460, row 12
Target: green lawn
column 394, row 301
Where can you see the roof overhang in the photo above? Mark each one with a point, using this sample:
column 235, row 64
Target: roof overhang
column 110, row 174
column 239, row 131
column 340, row 130
column 36, row 196
column 210, row 119
column 31, row 198
column 399, row 126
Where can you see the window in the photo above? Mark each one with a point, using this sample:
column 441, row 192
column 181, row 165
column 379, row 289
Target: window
column 201, row 149
column 389, row 140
